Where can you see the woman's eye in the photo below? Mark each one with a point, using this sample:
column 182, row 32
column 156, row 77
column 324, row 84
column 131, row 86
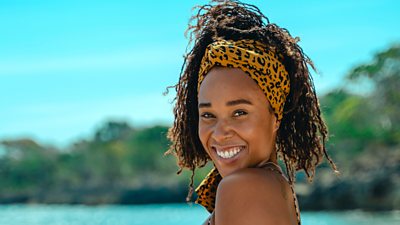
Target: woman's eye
column 207, row 115
column 239, row 113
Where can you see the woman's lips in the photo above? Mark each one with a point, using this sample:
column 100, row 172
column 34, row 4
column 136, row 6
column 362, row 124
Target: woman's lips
column 228, row 153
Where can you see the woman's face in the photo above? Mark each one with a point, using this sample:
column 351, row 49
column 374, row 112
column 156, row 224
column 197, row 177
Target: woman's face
column 236, row 126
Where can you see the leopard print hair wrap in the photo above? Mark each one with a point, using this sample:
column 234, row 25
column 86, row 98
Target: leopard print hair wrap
column 264, row 67
column 261, row 64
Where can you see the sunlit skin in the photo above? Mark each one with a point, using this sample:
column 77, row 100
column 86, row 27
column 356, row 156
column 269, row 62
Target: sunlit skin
column 234, row 115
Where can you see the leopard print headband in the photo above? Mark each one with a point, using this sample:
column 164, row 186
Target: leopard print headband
column 253, row 58
column 264, row 68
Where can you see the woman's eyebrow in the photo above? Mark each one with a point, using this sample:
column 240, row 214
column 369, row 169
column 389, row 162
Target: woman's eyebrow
column 238, row 102
column 204, row 105
column 230, row 103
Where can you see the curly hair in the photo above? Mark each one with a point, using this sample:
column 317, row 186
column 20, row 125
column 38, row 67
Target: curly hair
column 300, row 141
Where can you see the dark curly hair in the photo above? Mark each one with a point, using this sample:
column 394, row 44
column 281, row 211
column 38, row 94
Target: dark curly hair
column 302, row 134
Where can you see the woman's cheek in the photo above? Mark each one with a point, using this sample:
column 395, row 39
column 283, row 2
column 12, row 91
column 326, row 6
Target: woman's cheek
column 244, row 128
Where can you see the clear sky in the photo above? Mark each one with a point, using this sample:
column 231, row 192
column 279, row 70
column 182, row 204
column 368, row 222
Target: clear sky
column 68, row 66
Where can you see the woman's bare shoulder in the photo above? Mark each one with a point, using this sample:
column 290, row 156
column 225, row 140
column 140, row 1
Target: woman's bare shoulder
column 251, row 196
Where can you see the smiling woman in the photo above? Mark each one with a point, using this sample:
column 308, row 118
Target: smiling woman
column 245, row 99
column 232, row 123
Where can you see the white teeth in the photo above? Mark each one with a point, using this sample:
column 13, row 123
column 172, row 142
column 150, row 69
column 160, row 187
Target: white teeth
column 229, row 153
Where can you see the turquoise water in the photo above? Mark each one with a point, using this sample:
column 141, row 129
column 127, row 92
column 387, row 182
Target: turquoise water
column 164, row 214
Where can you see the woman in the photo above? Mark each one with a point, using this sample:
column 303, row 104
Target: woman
column 245, row 99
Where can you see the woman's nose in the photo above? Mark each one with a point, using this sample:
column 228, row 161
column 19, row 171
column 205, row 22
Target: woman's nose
column 222, row 131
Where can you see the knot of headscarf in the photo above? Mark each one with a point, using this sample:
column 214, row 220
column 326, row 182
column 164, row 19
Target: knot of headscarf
column 264, row 67
column 253, row 57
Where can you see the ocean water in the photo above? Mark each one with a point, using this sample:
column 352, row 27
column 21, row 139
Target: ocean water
column 162, row 214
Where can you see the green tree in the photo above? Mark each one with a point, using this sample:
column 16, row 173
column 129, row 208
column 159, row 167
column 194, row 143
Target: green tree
column 26, row 165
column 384, row 74
column 369, row 117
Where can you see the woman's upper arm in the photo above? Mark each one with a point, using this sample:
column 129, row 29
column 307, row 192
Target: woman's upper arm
column 250, row 197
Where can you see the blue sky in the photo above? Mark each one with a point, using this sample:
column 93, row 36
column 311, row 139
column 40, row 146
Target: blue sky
column 68, row 66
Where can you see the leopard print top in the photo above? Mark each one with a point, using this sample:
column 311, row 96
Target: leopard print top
column 207, row 190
